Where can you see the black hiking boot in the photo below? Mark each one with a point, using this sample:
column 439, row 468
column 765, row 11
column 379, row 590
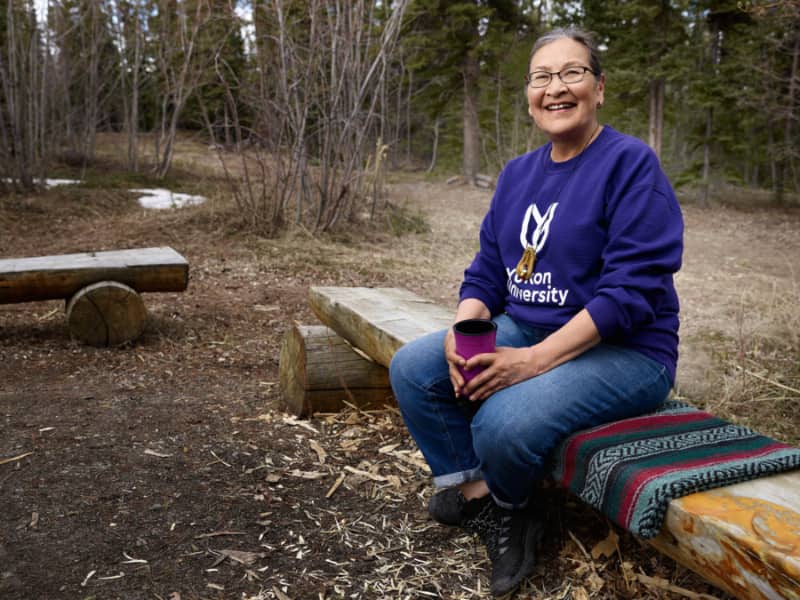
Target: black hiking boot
column 512, row 539
column 446, row 507
column 450, row 507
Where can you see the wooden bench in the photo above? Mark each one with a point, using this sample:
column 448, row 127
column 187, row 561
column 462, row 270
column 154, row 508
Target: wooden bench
column 102, row 289
column 744, row 538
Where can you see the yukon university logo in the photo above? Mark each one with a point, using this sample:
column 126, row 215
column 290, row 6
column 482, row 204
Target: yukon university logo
column 542, row 229
column 539, row 288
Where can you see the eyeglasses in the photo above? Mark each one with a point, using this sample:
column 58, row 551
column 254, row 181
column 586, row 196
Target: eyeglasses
column 540, row 79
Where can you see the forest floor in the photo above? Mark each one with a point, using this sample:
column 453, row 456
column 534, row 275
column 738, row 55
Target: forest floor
column 167, row 469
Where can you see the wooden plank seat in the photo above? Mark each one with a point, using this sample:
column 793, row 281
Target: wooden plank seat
column 743, row 538
column 102, row 289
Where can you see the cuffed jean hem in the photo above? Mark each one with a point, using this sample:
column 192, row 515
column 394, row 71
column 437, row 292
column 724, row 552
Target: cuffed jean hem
column 451, row 479
column 455, row 479
column 509, row 505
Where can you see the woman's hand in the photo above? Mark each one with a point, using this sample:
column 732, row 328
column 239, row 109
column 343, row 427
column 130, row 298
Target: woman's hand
column 470, row 308
column 454, row 361
column 507, row 366
column 503, row 367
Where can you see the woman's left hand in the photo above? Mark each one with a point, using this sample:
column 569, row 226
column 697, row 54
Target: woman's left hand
column 503, row 367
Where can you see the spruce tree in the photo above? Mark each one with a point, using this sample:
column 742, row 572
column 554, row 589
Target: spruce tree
column 453, row 48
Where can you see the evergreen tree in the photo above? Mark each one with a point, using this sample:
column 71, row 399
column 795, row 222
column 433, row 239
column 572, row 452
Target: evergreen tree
column 642, row 38
column 453, row 45
column 769, row 88
column 712, row 90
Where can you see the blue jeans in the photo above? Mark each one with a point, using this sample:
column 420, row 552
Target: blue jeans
column 507, row 438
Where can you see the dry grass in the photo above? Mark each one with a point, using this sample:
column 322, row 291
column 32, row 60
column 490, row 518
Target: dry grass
column 758, row 374
column 742, row 198
column 740, row 327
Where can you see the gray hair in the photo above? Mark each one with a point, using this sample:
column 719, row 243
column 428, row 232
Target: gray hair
column 576, row 34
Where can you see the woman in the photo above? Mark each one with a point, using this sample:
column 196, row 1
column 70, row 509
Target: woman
column 575, row 267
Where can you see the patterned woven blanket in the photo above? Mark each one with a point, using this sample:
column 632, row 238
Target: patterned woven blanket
column 630, row 470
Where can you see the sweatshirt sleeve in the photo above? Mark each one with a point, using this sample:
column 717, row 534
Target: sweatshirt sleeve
column 485, row 278
column 643, row 250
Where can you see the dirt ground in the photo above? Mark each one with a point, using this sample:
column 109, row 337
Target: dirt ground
column 167, row 469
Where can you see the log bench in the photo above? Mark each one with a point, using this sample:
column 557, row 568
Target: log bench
column 101, row 289
column 743, row 538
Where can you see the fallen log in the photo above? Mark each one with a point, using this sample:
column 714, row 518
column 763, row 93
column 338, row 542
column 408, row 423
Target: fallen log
column 320, row 372
column 743, row 538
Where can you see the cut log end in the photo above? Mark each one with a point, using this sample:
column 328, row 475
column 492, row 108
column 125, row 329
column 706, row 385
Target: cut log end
column 107, row 313
column 320, row 372
column 291, row 373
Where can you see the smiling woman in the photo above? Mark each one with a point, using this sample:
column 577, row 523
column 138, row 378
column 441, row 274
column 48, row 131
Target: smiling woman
column 565, row 89
column 575, row 267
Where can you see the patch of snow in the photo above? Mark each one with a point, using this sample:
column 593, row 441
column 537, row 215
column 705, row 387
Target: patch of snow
column 160, row 199
column 48, row 183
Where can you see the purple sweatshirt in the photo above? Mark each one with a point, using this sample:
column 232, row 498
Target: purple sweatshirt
column 608, row 234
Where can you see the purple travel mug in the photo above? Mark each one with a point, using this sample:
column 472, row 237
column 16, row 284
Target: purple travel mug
column 474, row 336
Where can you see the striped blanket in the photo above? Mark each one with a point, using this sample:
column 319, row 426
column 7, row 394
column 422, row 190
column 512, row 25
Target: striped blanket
column 630, row 470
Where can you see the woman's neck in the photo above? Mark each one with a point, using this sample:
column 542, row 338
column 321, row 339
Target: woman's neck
column 564, row 150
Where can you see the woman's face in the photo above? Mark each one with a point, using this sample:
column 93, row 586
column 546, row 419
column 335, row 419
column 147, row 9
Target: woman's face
column 565, row 112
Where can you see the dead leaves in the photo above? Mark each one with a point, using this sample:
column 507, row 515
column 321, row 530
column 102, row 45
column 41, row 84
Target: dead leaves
column 366, row 474
column 608, row 547
column 321, row 454
column 237, row 556
column 595, row 572
column 353, row 430
column 294, row 421
column 307, row 474
column 279, row 594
